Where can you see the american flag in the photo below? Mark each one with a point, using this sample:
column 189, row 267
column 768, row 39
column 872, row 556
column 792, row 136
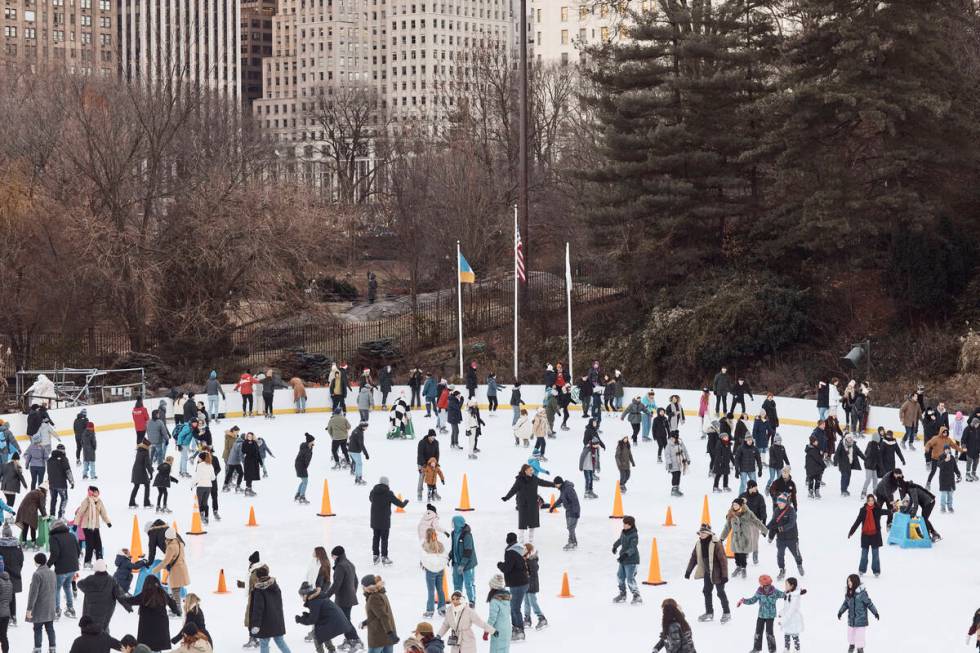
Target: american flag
column 519, row 255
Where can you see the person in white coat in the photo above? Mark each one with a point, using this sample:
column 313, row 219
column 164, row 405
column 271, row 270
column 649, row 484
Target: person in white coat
column 41, row 392
column 459, row 622
column 834, row 397
column 791, row 616
column 523, row 429
column 203, row 477
column 430, row 520
column 433, row 562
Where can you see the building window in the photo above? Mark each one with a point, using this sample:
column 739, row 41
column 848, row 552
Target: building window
column 105, row 39
column 86, row 4
column 103, row 5
column 564, row 37
column 10, row 13
column 564, row 14
column 603, row 10
column 105, row 22
column 581, row 35
column 86, row 38
column 86, row 21
column 564, row 58
column 583, row 12
column 604, row 34
column 10, row 31
column 30, row 33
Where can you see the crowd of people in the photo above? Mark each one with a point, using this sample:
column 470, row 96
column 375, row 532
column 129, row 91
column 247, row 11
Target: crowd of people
column 180, row 428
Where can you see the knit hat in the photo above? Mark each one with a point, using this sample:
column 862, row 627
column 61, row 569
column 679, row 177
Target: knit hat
column 60, row 447
column 262, row 571
column 558, row 480
column 369, row 581
column 777, row 439
column 170, row 534
column 6, row 531
column 424, row 628
column 511, row 538
column 337, row 551
column 751, row 484
column 431, row 507
column 309, row 438
column 252, row 559
column 383, row 480
column 16, row 456
column 99, row 566
column 782, row 498
column 497, row 582
column 431, row 433
column 705, row 530
column 765, row 580
column 306, row 589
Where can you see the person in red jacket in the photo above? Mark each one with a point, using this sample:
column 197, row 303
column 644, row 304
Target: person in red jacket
column 244, row 386
column 442, row 404
column 140, row 417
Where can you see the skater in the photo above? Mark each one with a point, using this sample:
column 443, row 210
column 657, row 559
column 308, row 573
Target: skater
column 458, row 622
column 847, row 458
column 738, row 391
column 516, row 403
column 814, row 465
column 154, row 626
column 201, row 483
column 299, row 393
column 629, row 558
column 89, row 445
column 909, row 413
column 344, row 590
column 123, row 575
column 949, row 476
column 365, row 402
column 588, row 462
column 565, row 399
column 141, row 475
column 428, row 447
column 551, row 409
column 971, row 442
column 302, row 466
column 101, row 594
column 175, row 562
column 723, row 459
column 13, row 559
column 974, row 631
column 63, row 559
column 326, row 618
column 857, row 604
column 474, row 427
column 708, row 562
column 675, row 414
column 40, row 603
column 525, row 487
column 380, row 622
column 777, row 459
column 158, row 434
column 935, row 449
column 635, row 412
column 59, row 479
column 471, row 383
column 783, row 527
column 162, row 482
column 531, row 598
column 27, row 514
column 492, row 388
column 869, row 521
column 766, row 596
column 186, row 439
column 140, row 419
column 433, row 474
column 748, row 463
column 454, row 416
column 791, row 618
column 568, row 499
column 270, row 384
column 755, row 502
column 675, row 633
column 585, row 390
column 721, row 386
column 339, row 428
column 265, row 619
column 433, row 566
column 783, row 485
column 769, row 408
column 523, row 429
column 251, row 462
column 382, row 498
column 215, row 393
column 358, row 453
column 650, row 403
column 462, row 558
column 415, row 377
column 430, row 393
column 514, row 568
column 889, row 449
column 677, row 461
column 430, row 519
column 539, row 429
column 499, row 616
column 762, row 432
column 745, row 528
column 78, row 427
column 245, row 385
column 624, row 460
column 442, row 405
column 872, row 461
column 660, row 428
column 89, row 516
column 36, row 460
column 919, row 497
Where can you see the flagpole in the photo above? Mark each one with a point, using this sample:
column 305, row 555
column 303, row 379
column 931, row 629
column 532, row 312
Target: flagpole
column 459, row 304
column 568, row 299
column 515, row 292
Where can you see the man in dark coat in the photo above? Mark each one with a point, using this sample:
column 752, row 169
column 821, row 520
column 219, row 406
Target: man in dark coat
column 327, row 619
column 382, row 499
column 568, row 499
column 428, row 448
column 343, row 587
column 94, row 639
column 102, row 592
column 78, row 426
column 783, row 528
column 13, row 560
column 302, row 466
column 265, row 617
column 251, row 462
column 886, row 488
column 755, row 502
column 59, row 478
column 517, row 578
column 526, row 486
column 748, row 462
column 63, row 558
column 920, row 497
column 454, row 415
column 471, row 381
column 156, row 539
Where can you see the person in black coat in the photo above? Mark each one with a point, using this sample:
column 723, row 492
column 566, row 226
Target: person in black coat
column 59, row 478
column 585, row 390
column 156, row 539
column 784, row 485
column 748, row 462
column 814, row 465
column 454, row 416
column 142, row 473
column 769, row 406
column 102, row 592
column 949, row 476
column 94, row 639
column 920, row 497
column 517, row 578
column 343, row 586
column 723, row 460
column 382, row 499
column 251, row 462
column 266, row 620
column 869, row 522
column 327, row 619
column 848, row 459
column 13, row 559
column 154, row 623
column 78, row 426
column 471, row 382
column 63, row 559
column 302, row 466
column 526, row 486
column 872, row 461
column 428, row 448
column 890, row 449
column 777, row 458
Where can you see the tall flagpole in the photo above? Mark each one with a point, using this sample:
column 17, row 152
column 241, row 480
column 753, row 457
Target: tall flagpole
column 459, row 305
column 515, row 293
column 568, row 299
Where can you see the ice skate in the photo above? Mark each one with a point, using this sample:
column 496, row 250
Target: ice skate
column 568, row 547
column 781, row 575
column 637, row 599
column 621, row 597
column 251, row 643
column 527, row 621
column 726, row 617
column 70, row 613
column 216, row 516
column 428, row 614
column 517, row 635
column 386, row 561
column 707, row 616
column 249, row 492
column 622, row 489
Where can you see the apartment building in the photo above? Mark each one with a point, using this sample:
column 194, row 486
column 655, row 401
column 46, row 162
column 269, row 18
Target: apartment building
column 563, row 28
column 78, row 35
column 256, row 44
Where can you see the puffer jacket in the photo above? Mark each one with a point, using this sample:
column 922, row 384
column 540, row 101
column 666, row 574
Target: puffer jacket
column 628, row 545
column 857, row 608
column 676, row 640
column 766, row 597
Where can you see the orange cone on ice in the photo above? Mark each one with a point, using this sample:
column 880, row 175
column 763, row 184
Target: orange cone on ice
column 222, row 586
column 399, row 508
column 566, row 591
column 445, row 585
column 136, row 544
column 669, row 521
column 251, row 517
column 617, row 512
column 705, row 512
column 196, row 528
column 464, row 497
column 653, row 577
column 325, row 510
column 728, row 546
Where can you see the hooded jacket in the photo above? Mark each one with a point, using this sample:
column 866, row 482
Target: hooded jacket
column 64, row 549
column 462, row 552
column 514, row 566
column 59, row 471
column 266, row 612
column 102, row 592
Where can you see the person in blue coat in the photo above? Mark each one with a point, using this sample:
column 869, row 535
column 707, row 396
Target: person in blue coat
column 629, row 558
column 762, row 432
column 857, row 604
column 430, row 392
column 462, row 557
column 568, row 499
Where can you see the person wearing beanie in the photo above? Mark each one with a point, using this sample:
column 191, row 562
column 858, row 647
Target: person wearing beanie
column 365, row 401
column 12, row 479
column 253, row 569
column 745, row 527
column 382, row 499
column 302, row 465
column 124, row 568
column 343, row 589
column 142, row 474
column 40, row 602
column 776, row 459
column 63, row 559
column 766, row 596
column 783, row 527
column 755, row 502
column 358, row 453
column 175, row 562
column 629, row 558
column 59, row 478
column 339, row 429
column 430, row 519
column 499, row 617
column 27, row 514
column 568, row 499
column 708, row 562
column 430, row 393
column 13, row 562
column 327, row 620
column 515, row 573
column 78, row 426
column 427, row 449
column 89, row 445
column 94, row 638
column 35, row 460
column 380, row 622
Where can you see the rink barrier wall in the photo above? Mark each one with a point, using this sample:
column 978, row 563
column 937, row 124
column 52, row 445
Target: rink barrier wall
column 116, row 416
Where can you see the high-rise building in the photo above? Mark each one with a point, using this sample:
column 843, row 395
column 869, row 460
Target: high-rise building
column 563, row 28
column 195, row 40
column 78, row 35
column 256, row 44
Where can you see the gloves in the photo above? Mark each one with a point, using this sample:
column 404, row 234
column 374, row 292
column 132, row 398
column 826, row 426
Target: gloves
column 614, row 550
column 297, row 619
column 486, row 637
column 740, row 603
column 551, row 509
column 240, row 584
column 877, row 617
column 687, row 576
column 838, row 617
column 443, row 482
column 109, row 525
column 503, row 498
column 254, row 630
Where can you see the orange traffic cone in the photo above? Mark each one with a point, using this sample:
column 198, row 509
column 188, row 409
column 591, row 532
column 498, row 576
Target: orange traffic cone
column 617, row 512
column 464, row 497
column 164, row 576
column 251, row 517
column 196, row 528
column 399, row 508
column 705, row 512
column 445, row 585
column 728, row 546
column 325, row 510
column 136, row 545
column 551, row 506
column 566, row 592
column 177, row 530
column 653, row 577
column 669, row 521
column 222, row 587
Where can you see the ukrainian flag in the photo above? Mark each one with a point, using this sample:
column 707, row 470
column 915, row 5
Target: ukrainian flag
column 466, row 274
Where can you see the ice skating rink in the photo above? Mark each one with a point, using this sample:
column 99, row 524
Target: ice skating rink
column 926, row 598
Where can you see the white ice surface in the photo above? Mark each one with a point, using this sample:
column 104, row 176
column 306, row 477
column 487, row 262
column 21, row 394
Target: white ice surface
column 945, row 577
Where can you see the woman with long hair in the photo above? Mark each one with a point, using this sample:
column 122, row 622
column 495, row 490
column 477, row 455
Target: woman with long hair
column 857, row 604
column 154, row 624
column 675, row 632
column 203, row 478
column 193, row 616
column 434, row 567
column 193, row 640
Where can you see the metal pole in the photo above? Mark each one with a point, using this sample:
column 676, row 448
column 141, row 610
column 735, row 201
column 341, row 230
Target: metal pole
column 515, row 293
column 568, row 301
column 459, row 306
column 522, row 199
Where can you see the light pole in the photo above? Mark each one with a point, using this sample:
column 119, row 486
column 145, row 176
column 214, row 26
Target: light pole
column 522, row 199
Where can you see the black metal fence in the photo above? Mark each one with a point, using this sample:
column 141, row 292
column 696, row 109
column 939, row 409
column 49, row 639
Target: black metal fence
column 486, row 305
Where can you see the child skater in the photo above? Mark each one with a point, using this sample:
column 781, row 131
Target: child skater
column 433, row 474
column 766, row 597
column 857, row 604
column 791, row 618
